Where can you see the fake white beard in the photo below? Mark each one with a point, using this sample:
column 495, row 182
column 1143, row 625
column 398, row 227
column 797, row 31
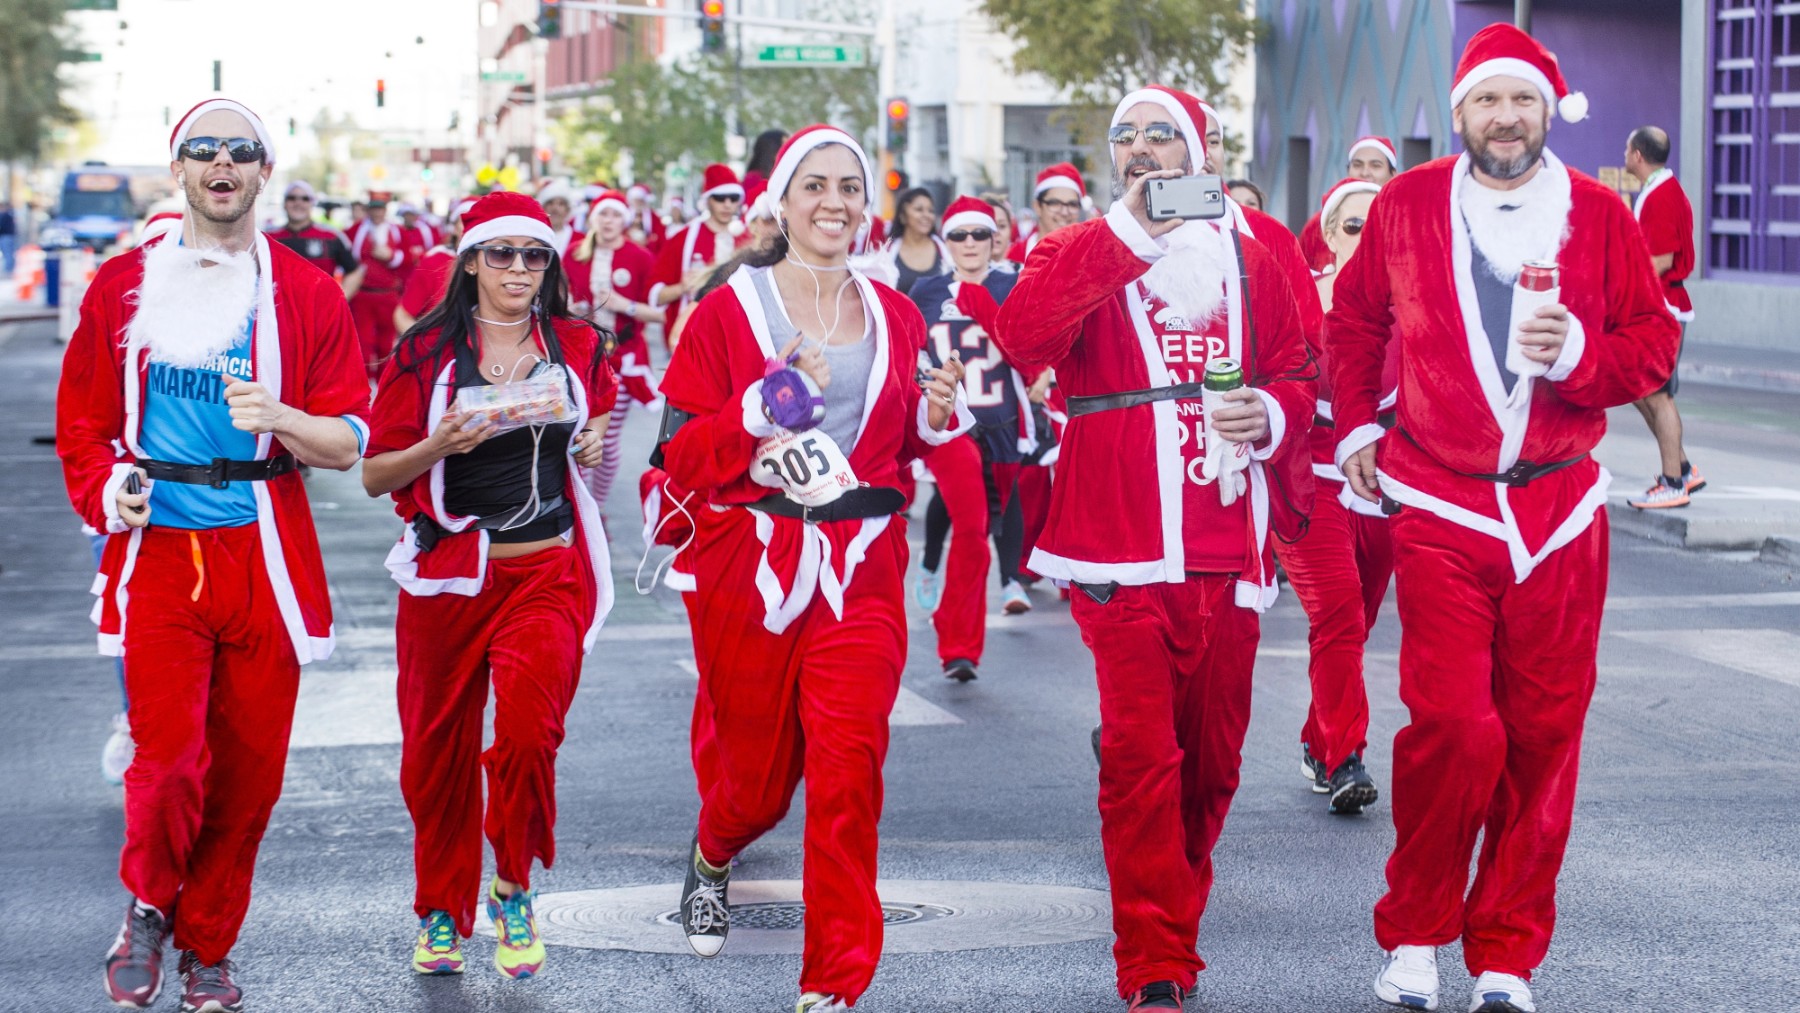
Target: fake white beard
column 1533, row 228
column 1191, row 276
column 193, row 303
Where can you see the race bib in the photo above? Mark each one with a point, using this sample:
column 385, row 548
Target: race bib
column 809, row 467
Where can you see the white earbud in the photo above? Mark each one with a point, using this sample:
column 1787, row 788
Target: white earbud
column 181, row 179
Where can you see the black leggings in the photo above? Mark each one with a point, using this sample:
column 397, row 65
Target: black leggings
column 1008, row 530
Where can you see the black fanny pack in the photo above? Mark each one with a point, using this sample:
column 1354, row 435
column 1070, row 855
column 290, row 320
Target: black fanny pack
column 855, row 504
column 221, row 472
column 427, row 531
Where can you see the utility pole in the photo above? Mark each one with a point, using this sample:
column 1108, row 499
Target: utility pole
column 1522, row 15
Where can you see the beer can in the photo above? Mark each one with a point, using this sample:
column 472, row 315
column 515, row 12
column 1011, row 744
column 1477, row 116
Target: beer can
column 1223, row 374
column 1540, row 276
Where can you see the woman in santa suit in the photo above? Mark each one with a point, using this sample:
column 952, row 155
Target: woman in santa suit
column 503, row 572
column 794, row 405
column 609, row 280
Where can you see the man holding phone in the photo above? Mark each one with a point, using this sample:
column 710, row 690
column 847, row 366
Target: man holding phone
column 1135, row 312
column 206, row 366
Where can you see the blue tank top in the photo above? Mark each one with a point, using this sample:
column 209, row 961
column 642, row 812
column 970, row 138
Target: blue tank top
column 187, row 421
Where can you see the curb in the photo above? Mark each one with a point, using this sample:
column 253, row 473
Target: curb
column 1686, row 530
column 28, row 315
column 1782, row 549
column 1785, row 381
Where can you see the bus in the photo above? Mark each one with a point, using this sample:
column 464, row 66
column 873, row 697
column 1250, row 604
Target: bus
column 97, row 206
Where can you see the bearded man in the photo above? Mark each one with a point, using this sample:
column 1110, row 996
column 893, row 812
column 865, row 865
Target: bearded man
column 1500, row 542
column 1130, row 312
column 206, row 365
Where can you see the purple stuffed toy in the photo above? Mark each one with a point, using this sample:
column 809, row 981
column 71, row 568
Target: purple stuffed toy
column 790, row 398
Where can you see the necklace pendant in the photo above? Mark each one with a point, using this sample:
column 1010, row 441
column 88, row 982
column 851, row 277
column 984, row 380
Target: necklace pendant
column 496, row 370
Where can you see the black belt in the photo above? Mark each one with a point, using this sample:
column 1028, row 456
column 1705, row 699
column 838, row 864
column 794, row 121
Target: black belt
column 1678, row 284
column 221, row 472
column 427, row 531
column 1518, row 476
column 1385, row 420
column 854, row 504
column 1133, row 398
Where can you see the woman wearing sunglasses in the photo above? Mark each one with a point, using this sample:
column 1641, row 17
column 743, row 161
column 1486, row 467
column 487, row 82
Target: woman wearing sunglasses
column 795, row 402
column 502, row 567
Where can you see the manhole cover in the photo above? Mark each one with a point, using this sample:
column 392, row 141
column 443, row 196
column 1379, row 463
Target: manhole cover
column 922, row 916
column 785, row 916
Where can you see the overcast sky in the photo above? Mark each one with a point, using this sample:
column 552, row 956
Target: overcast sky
column 282, row 58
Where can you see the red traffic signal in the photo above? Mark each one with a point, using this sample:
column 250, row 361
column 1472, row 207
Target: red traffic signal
column 712, row 26
column 896, row 180
column 898, row 111
column 380, row 92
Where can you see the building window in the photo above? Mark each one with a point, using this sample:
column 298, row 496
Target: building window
column 1753, row 128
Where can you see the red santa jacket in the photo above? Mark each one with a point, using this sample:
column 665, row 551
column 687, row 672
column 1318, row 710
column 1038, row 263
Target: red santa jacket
column 381, row 275
column 1411, row 277
column 1076, row 308
column 305, row 353
column 693, row 245
column 408, row 406
column 425, row 285
column 629, row 275
column 1312, row 244
column 1666, row 217
column 717, row 374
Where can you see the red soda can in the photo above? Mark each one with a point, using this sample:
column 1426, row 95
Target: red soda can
column 1540, row 276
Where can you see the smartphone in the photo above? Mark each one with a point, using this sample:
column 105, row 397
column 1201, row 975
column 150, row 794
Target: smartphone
column 133, row 486
column 1188, row 197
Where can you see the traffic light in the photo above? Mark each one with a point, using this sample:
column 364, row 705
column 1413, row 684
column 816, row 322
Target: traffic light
column 896, row 180
column 290, row 126
column 712, row 25
column 380, row 92
column 898, row 110
column 550, row 19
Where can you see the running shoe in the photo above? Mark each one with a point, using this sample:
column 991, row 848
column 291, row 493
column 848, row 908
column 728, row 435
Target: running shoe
column 208, row 988
column 1314, row 771
column 1501, row 993
column 816, row 1002
column 1013, row 599
column 1352, row 788
column 1692, row 482
column 705, row 911
column 439, row 950
column 960, row 669
column 1156, row 995
column 116, row 755
column 928, row 589
column 1409, row 979
column 134, row 966
column 1661, row 496
column 520, row 952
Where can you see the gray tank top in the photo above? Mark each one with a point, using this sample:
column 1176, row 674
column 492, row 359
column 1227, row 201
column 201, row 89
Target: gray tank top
column 851, row 364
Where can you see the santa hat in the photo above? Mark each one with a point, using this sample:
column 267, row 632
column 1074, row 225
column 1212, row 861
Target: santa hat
column 462, row 207
column 185, row 125
column 298, row 186
column 1186, row 111
column 611, row 200
column 1062, row 174
column 1501, row 50
column 160, row 224
column 762, row 208
column 638, row 191
column 503, row 213
column 718, row 180
column 968, row 213
column 803, row 143
column 1380, row 144
column 1344, row 188
column 554, row 189
column 407, row 208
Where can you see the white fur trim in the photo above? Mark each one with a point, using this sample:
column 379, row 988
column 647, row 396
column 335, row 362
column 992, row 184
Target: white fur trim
column 1195, row 136
column 783, row 174
column 1336, row 197
column 109, row 497
column 961, row 421
column 509, row 225
column 1505, row 66
column 1049, row 564
column 614, row 203
column 724, row 190
column 1148, row 248
column 1570, row 356
column 1353, row 441
column 755, row 422
column 1387, row 152
column 1054, row 182
column 186, row 127
column 1573, row 107
column 1277, row 425
column 968, row 220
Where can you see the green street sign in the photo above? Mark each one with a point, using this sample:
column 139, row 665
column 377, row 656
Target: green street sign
column 797, row 56
column 512, row 76
column 93, row 5
column 77, row 56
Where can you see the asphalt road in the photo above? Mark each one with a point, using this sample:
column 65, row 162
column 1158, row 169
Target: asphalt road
column 1681, row 890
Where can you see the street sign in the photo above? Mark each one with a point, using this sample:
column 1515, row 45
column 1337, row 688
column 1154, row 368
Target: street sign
column 795, row 56
column 93, row 5
column 511, row 76
column 77, row 56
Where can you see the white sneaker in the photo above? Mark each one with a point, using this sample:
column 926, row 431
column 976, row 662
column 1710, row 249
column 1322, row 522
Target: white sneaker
column 1013, row 599
column 1409, row 979
column 1501, row 993
column 119, row 749
column 814, row 1002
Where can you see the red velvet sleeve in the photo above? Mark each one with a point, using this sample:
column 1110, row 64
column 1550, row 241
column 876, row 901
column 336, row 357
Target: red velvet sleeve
column 1070, row 273
column 90, row 399
column 1359, row 327
column 336, row 383
column 397, row 420
column 1662, row 231
column 707, row 378
column 1633, row 352
column 1282, row 368
column 668, row 267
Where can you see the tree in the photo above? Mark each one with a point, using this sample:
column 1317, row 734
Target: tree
column 31, row 86
column 652, row 113
column 1102, row 49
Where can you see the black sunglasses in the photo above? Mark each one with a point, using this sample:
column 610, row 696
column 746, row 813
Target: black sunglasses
column 300, row 197
column 728, row 198
column 1351, row 226
column 1155, row 133
column 205, row 149
column 501, row 258
column 964, row 235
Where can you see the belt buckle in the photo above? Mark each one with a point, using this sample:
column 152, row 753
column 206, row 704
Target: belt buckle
column 1520, row 475
column 806, row 514
column 216, row 475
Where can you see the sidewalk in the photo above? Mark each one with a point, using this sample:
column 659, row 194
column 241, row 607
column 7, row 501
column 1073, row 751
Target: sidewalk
column 1745, row 368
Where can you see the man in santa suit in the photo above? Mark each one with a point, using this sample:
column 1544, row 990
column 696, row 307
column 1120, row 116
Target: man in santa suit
column 1667, row 219
column 320, row 245
column 1500, row 542
column 380, row 247
column 1059, row 197
column 1130, row 312
column 647, row 228
column 206, row 366
column 416, row 237
column 1371, row 160
column 690, row 253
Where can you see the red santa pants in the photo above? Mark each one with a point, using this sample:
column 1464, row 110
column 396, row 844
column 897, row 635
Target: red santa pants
column 1322, row 567
column 1173, row 662
column 701, row 739
column 1034, row 501
column 1497, row 676
column 522, row 634
column 373, row 313
column 970, row 488
column 211, row 675
column 813, row 701
column 1373, row 538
